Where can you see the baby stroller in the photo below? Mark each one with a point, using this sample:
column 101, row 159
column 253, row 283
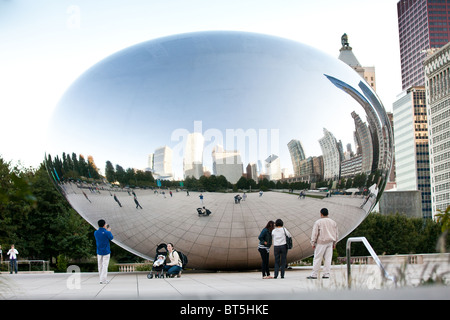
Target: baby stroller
column 158, row 263
column 203, row 212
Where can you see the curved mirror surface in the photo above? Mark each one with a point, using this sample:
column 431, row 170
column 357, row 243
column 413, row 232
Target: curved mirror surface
column 247, row 127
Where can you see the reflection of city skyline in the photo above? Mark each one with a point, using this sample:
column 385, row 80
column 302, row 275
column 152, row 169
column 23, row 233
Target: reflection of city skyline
column 333, row 164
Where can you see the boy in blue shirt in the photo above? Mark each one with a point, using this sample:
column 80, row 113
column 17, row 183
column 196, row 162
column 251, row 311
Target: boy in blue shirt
column 102, row 237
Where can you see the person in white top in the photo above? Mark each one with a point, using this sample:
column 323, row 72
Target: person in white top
column 174, row 266
column 12, row 253
column 323, row 240
column 280, row 249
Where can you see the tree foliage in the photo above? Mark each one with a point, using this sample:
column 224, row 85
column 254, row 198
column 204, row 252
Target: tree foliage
column 394, row 234
column 37, row 219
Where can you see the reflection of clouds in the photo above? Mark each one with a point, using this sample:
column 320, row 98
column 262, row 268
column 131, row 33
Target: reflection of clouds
column 139, row 96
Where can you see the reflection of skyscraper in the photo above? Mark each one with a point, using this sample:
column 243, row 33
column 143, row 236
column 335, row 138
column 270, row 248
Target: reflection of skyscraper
column 331, row 156
column 227, row 163
column 193, row 156
column 273, row 169
column 151, row 164
column 380, row 128
column 297, row 155
column 252, row 172
column 163, row 163
column 364, row 143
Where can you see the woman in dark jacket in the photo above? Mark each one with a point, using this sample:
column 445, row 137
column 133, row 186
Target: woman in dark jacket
column 265, row 241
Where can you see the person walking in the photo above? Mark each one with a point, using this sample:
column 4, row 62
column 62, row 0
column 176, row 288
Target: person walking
column 265, row 241
column 323, row 240
column 117, row 200
column 103, row 236
column 137, row 203
column 12, row 253
column 279, row 234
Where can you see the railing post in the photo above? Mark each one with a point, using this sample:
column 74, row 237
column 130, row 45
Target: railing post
column 349, row 277
column 372, row 253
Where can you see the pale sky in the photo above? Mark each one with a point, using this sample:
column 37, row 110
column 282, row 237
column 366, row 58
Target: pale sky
column 45, row 45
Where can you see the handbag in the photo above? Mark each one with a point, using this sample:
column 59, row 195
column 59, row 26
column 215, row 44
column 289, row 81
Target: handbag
column 288, row 240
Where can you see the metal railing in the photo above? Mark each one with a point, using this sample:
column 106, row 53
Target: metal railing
column 45, row 264
column 372, row 253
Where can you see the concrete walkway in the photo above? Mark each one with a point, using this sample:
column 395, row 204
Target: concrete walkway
column 367, row 284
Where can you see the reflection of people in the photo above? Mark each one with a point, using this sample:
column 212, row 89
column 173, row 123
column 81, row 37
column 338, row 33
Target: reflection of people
column 265, row 241
column 279, row 234
column 86, row 196
column 102, row 237
column 117, row 200
column 12, row 253
column 137, row 203
column 174, row 266
column 323, row 240
column 203, row 211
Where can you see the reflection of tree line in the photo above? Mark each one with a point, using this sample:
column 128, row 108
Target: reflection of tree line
column 220, row 183
column 76, row 167
column 72, row 166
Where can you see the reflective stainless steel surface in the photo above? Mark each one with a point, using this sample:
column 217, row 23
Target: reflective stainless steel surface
column 209, row 104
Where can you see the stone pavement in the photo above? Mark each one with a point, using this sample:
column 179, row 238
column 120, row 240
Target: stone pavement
column 367, row 284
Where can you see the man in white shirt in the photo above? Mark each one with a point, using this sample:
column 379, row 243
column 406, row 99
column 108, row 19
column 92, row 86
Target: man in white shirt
column 12, row 253
column 323, row 240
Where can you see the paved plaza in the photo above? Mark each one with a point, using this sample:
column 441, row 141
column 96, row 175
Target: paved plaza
column 367, row 284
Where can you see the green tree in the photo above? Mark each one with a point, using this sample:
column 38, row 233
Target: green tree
column 394, row 234
column 110, row 173
column 52, row 227
column 242, row 183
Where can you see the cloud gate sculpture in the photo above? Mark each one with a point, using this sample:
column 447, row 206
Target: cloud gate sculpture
column 207, row 116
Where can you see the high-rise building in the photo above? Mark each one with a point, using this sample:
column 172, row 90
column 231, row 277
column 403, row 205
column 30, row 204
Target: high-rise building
column 193, row 156
column 273, row 168
column 227, row 163
column 364, row 144
column 411, row 145
column 437, row 84
column 252, row 171
column 163, row 163
column 151, row 164
column 422, row 25
column 331, row 156
column 297, row 155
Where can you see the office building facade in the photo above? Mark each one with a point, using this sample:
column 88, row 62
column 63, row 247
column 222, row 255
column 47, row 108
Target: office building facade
column 273, row 168
column 411, row 145
column 227, row 163
column 422, row 25
column 193, row 156
column 163, row 163
column 437, row 84
column 331, row 156
column 297, row 155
